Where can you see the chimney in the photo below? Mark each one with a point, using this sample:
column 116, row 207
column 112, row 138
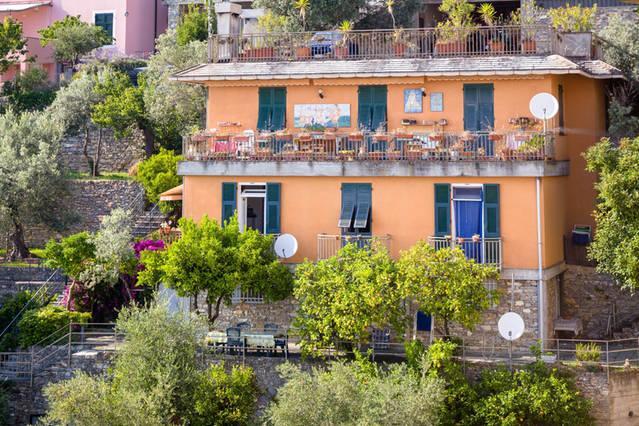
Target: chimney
column 228, row 18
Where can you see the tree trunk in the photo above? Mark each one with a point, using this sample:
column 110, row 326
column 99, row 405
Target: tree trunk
column 19, row 248
column 98, row 154
column 85, row 149
column 70, row 297
column 446, row 329
column 213, row 317
column 149, row 141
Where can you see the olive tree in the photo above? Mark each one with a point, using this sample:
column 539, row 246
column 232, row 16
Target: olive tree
column 215, row 260
column 31, row 183
column 445, row 284
column 342, row 297
column 72, row 38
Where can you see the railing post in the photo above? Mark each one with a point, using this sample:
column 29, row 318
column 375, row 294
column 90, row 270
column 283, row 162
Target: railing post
column 607, row 362
column 69, row 347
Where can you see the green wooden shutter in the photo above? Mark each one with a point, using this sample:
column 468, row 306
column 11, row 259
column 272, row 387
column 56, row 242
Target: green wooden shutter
column 479, row 107
column 265, row 108
column 105, row 20
column 278, row 111
column 486, row 108
column 349, row 200
column 442, row 209
column 491, row 210
column 365, row 107
column 229, row 200
column 364, row 203
column 273, row 208
column 380, row 97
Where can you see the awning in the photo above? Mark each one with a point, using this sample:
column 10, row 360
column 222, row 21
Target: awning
column 19, row 6
column 173, row 194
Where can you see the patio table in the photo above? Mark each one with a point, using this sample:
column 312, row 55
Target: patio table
column 252, row 339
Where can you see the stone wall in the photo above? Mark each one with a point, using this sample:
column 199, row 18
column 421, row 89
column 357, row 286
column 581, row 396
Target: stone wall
column 13, row 280
column 117, row 155
column 615, row 400
column 589, row 295
column 87, row 202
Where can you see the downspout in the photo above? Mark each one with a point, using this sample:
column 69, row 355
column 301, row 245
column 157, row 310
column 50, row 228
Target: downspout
column 540, row 285
column 155, row 21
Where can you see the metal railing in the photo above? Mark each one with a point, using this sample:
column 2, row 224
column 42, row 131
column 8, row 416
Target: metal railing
column 487, row 251
column 369, row 146
column 501, row 40
column 329, row 245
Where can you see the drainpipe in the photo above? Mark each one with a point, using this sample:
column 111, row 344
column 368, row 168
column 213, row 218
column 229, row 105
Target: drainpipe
column 540, row 285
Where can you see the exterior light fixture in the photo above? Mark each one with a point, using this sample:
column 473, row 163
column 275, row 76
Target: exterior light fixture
column 320, row 92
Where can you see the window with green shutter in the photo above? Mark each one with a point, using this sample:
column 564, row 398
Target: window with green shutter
column 272, row 108
column 229, row 200
column 442, row 209
column 273, row 208
column 355, row 214
column 372, row 107
column 105, row 20
column 478, row 107
column 491, row 210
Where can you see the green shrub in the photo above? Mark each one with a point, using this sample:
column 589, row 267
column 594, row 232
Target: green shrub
column 342, row 395
column 158, row 174
column 415, row 352
column 587, row 352
column 10, row 307
column 193, row 26
column 38, row 324
column 533, row 396
column 225, row 399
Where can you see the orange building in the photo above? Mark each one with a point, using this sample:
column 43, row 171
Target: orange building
column 374, row 141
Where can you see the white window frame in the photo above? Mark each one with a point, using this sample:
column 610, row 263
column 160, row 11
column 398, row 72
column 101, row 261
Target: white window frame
column 112, row 12
column 241, row 207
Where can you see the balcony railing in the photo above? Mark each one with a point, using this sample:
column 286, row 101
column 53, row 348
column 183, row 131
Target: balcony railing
column 487, row 251
column 329, row 245
column 504, row 40
column 329, row 146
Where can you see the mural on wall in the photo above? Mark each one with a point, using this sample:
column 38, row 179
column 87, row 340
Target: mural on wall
column 413, row 100
column 322, row 115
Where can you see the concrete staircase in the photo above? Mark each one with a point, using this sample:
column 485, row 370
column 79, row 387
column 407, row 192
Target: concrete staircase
column 148, row 221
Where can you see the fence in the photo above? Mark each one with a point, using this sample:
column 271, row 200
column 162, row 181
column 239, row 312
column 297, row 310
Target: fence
column 329, row 245
column 500, row 40
column 370, row 146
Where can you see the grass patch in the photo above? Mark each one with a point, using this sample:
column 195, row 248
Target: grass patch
column 103, row 176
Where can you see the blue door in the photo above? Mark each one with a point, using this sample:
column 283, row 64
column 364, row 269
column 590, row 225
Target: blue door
column 468, row 207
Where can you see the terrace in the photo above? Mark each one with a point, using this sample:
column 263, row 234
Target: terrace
column 513, row 145
column 422, row 43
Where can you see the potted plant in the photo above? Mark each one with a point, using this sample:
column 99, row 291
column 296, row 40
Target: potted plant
column 527, row 18
column 574, row 26
column 342, row 45
column 487, row 13
column 302, row 49
column 452, row 33
column 494, row 136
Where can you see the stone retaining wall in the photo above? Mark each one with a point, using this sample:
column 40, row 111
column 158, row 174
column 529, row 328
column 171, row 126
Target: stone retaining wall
column 117, row 155
column 88, row 201
column 589, row 295
column 11, row 277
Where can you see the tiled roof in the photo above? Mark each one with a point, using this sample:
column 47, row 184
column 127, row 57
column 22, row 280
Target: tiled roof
column 462, row 66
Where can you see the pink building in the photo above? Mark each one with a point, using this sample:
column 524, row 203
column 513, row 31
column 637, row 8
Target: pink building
column 133, row 24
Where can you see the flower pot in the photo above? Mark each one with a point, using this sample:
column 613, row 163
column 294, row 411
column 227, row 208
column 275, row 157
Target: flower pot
column 341, row 52
column 529, row 46
column 450, row 47
column 497, row 46
column 495, row 137
column 262, row 53
column 303, row 52
column 436, row 138
column 399, row 49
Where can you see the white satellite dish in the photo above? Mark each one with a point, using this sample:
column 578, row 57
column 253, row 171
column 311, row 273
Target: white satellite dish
column 544, row 106
column 511, row 326
column 285, row 246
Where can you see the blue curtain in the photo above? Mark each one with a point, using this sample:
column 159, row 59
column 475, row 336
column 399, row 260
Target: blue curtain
column 468, row 223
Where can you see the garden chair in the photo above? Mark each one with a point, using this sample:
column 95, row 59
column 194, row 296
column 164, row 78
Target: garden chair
column 380, row 339
column 234, row 340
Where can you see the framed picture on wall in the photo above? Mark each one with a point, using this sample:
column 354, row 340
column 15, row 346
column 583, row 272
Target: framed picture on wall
column 436, row 102
column 413, row 100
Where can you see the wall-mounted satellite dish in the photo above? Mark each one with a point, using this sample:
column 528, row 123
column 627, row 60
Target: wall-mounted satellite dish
column 511, row 326
column 285, row 246
column 544, row 106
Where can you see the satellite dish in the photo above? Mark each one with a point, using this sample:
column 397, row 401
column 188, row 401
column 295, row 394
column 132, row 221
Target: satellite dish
column 511, row 326
column 544, row 106
column 285, row 246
